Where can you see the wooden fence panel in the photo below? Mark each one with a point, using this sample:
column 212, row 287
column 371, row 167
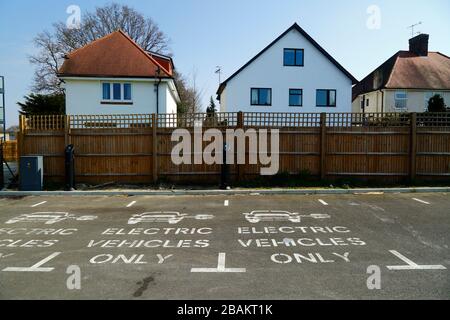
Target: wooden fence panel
column 10, row 151
column 368, row 152
column 184, row 173
column 50, row 145
column 433, row 152
column 137, row 148
column 113, row 155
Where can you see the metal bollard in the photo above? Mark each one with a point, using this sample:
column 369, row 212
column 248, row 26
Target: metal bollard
column 70, row 168
column 225, row 174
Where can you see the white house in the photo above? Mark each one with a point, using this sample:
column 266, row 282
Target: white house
column 114, row 75
column 406, row 81
column 292, row 74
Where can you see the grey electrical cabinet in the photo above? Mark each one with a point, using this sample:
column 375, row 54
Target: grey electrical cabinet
column 31, row 173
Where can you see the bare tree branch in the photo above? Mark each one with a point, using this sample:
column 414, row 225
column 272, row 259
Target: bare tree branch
column 105, row 20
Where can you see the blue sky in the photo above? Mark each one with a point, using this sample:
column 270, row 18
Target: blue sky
column 207, row 33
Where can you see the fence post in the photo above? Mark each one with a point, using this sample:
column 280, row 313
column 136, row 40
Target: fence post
column 66, row 130
column 155, row 147
column 323, row 145
column 241, row 167
column 20, row 138
column 413, row 147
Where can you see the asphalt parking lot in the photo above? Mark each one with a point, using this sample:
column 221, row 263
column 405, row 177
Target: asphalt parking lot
column 226, row 247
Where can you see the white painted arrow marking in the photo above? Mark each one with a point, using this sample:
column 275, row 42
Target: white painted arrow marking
column 220, row 267
column 421, row 201
column 38, row 204
column 36, row 267
column 412, row 265
column 131, row 204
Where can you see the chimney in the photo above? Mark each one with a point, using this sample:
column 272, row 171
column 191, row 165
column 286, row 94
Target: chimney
column 419, row 45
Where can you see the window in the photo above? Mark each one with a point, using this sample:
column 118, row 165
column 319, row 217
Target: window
column 326, row 98
column 367, row 102
column 428, row 96
column 294, row 57
column 116, row 92
column 295, row 97
column 106, row 91
column 127, row 91
column 401, row 100
column 261, row 97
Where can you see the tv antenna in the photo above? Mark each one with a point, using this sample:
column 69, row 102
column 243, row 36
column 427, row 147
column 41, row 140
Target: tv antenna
column 412, row 28
column 219, row 72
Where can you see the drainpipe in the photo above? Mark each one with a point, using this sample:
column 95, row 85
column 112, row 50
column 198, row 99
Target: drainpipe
column 382, row 100
column 158, row 72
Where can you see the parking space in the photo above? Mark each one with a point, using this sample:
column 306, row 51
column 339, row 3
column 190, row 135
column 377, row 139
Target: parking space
column 226, row 247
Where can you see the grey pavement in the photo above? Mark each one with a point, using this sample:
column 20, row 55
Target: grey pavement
column 226, row 247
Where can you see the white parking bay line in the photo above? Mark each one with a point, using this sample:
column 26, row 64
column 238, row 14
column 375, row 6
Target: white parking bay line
column 226, row 203
column 38, row 204
column 131, row 204
column 410, row 265
column 220, row 267
column 421, row 201
column 35, row 268
column 323, row 202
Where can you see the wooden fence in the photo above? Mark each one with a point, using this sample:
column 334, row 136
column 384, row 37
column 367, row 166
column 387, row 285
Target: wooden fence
column 137, row 148
column 10, row 151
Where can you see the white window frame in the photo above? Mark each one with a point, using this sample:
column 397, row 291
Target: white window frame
column 111, row 92
column 405, row 100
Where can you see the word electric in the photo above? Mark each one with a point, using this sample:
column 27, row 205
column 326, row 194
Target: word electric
column 157, row 231
column 290, row 230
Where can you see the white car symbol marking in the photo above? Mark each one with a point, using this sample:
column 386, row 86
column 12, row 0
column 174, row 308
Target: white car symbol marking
column 278, row 215
column 165, row 217
column 49, row 217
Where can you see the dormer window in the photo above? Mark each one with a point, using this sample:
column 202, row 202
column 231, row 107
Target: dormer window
column 294, row 57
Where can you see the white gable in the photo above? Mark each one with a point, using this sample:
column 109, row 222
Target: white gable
column 268, row 71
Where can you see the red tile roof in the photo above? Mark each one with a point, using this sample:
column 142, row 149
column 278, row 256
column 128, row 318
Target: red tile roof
column 164, row 61
column 406, row 70
column 115, row 55
column 413, row 72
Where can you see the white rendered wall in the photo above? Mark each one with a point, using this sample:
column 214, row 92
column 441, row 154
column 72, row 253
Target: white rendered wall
column 84, row 97
column 268, row 72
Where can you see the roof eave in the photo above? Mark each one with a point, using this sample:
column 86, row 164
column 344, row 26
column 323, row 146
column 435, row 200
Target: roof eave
column 221, row 88
column 66, row 75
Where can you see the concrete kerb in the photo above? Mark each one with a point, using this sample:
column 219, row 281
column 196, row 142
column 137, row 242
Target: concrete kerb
column 223, row 192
